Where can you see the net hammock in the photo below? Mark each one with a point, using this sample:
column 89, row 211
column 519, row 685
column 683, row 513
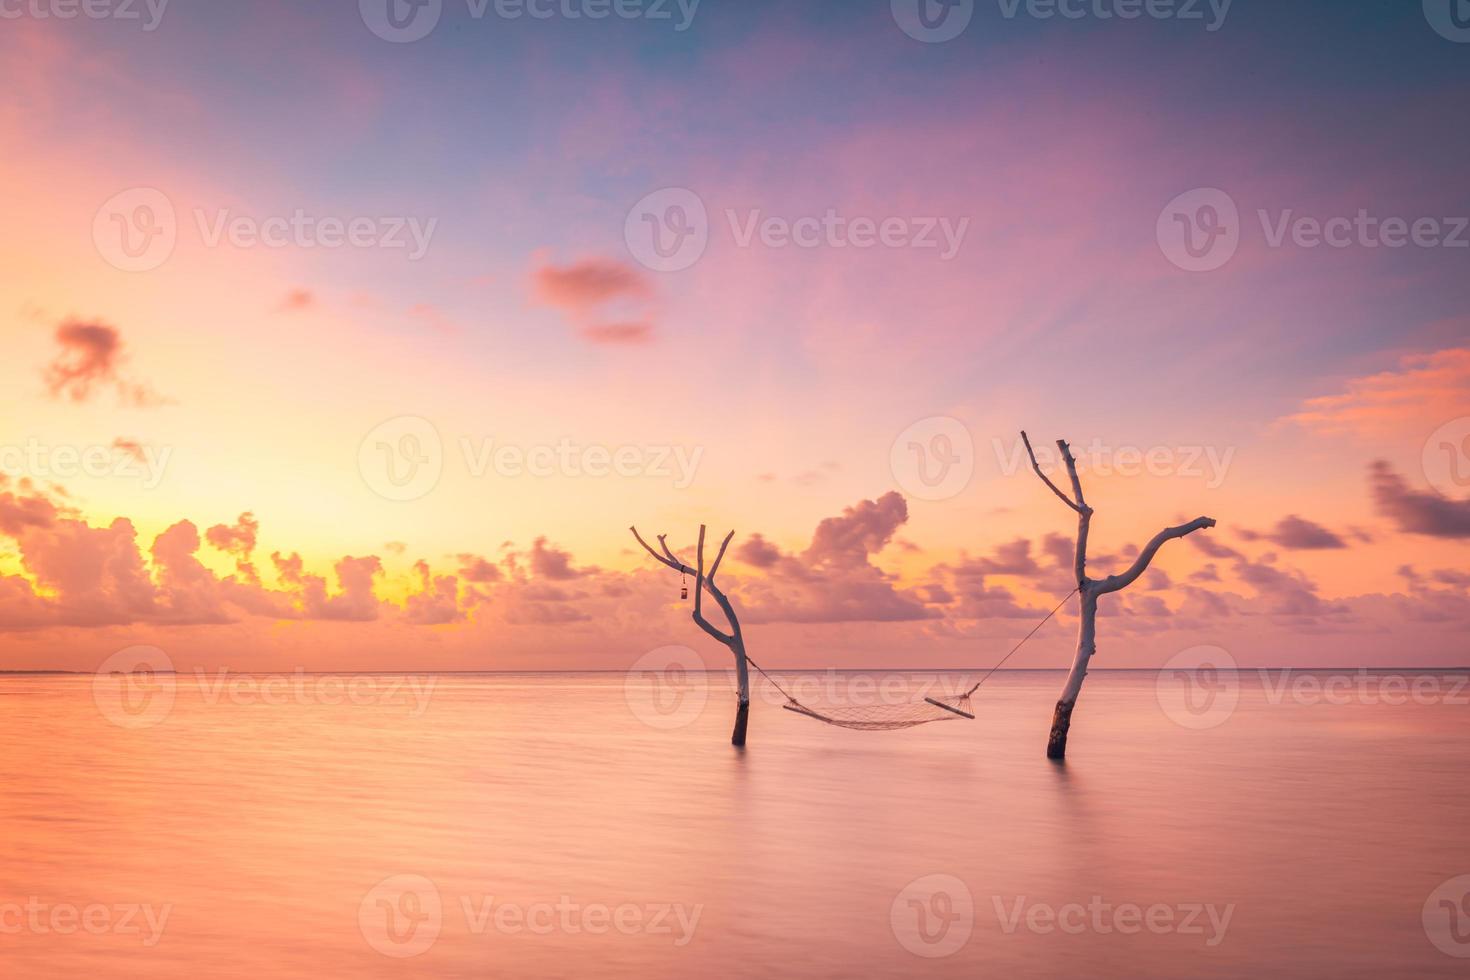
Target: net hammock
column 890, row 717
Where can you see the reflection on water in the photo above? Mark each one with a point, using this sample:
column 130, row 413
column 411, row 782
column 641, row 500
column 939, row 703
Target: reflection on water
column 473, row 825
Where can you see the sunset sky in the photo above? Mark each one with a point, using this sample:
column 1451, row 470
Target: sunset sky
column 248, row 404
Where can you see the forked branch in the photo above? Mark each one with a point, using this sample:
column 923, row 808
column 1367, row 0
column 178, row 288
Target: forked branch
column 1077, row 504
column 1140, row 564
column 703, row 583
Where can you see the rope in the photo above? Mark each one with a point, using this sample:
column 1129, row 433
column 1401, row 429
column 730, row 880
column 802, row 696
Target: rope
column 1023, row 641
column 771, row 679
column 972, row 690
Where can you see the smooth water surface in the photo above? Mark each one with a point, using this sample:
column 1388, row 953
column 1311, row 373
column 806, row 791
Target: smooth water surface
column 573, row 825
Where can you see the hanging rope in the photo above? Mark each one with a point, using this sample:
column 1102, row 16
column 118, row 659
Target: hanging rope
column 888, row 717
column 1020, row 644
column 773, row 681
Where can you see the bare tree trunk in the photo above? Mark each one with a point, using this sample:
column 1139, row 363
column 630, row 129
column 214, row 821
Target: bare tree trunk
column 734, row 639
column 1061, row 720
column 1091, row 589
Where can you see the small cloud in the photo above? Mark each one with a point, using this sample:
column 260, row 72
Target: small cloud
column 91, row 358
column 1300, row 534
column 297, row 301
column 618, row 333
column 132, row 447
column 588, row 284
column 608, row 301
column 237, row 540
column 548, row 562
column 473, row 568
column 758, row 551
column 1417, row 511
column 395, row 547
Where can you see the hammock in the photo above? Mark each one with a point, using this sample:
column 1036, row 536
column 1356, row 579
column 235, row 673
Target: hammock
column 889, row 717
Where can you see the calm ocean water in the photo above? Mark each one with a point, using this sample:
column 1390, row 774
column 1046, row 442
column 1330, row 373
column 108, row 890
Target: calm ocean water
column 586, row 825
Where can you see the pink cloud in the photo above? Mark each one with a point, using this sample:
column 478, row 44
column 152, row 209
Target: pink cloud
column 591, row 292
column 90, row 358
